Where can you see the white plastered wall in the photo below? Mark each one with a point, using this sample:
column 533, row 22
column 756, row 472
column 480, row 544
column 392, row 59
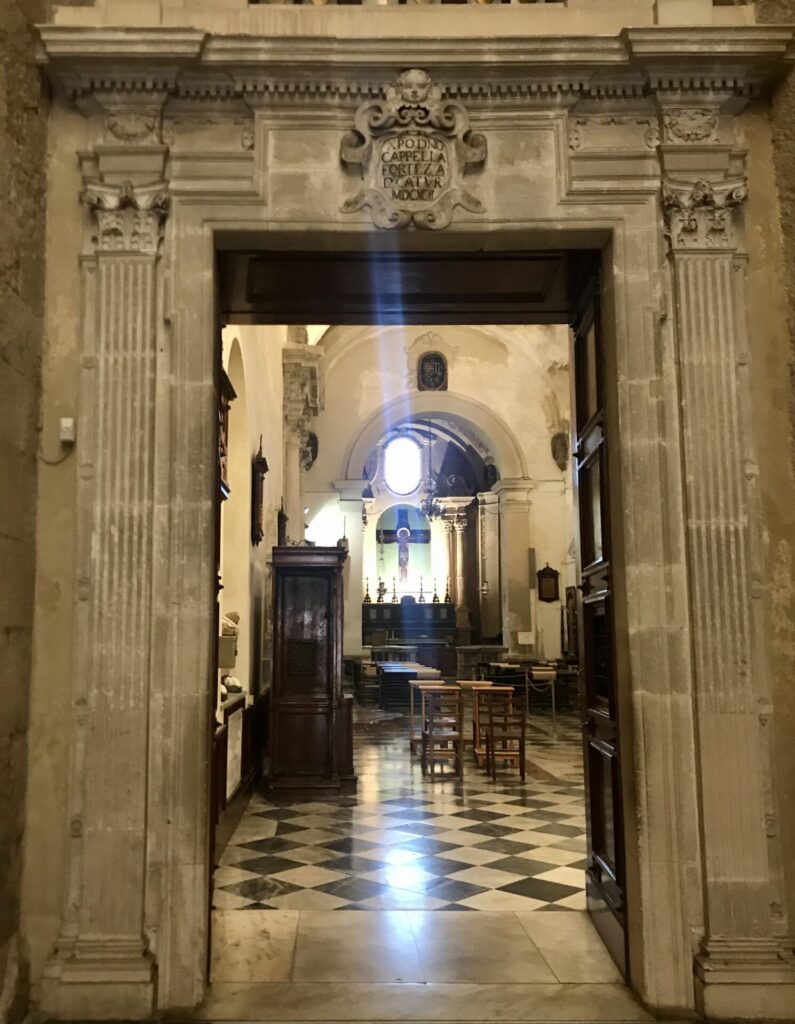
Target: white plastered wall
column 516, row 376
column 245, row 572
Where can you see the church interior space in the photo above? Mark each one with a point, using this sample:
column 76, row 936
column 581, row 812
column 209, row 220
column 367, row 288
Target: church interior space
column 422, row 476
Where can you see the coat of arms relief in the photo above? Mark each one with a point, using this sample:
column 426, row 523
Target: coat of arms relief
column 412, row 148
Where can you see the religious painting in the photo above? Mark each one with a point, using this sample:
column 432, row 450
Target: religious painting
column 432, row 372
column 548, row 584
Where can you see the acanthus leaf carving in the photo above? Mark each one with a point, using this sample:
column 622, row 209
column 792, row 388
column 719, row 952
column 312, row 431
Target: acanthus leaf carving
column 129, row 217
column 699, row 215
column 412, row 148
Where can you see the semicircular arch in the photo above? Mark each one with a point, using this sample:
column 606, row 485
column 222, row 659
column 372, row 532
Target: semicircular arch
column 491, row 428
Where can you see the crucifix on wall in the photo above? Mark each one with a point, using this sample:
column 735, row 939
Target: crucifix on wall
column 403, row 536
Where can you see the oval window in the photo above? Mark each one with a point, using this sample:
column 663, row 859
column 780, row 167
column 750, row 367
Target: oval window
column 402, row 466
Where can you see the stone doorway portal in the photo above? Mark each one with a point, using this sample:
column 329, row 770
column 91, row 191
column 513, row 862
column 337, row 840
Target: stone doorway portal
column 191, row 144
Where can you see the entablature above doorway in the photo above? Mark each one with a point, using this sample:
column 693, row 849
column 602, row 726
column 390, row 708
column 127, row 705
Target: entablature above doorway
column 331, row 73
column 217, row 115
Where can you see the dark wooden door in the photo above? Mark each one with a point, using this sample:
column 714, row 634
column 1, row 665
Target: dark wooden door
column 605, row 886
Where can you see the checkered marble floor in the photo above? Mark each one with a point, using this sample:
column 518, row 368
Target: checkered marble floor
column 407, row 843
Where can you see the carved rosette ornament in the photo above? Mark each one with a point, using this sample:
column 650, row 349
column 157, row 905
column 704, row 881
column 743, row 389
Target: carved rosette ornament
column 700, row 215
column 129, row 217
column 412, row 148
column 134, row 126
column 690, row 124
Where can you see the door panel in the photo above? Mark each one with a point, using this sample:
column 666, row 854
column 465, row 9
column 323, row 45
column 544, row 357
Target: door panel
column 605, row 885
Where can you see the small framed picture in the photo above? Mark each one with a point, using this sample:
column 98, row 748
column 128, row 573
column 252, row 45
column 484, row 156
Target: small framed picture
column 548, row 584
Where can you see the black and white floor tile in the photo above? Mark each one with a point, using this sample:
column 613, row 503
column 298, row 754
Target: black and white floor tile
column 407, row 843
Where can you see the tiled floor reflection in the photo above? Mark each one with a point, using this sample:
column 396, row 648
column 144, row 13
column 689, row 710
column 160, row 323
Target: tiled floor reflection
column 406, row 843
column 289, row 942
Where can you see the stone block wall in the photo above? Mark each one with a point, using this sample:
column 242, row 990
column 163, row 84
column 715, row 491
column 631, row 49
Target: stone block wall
column 780, row 520
column 23, row 126
column 783, row 113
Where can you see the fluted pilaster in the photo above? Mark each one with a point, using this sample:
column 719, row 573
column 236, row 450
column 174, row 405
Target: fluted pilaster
column 103, row 950
column 741, row 947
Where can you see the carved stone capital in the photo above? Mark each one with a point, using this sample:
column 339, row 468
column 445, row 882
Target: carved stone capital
column 129, row 217
column 700, row 215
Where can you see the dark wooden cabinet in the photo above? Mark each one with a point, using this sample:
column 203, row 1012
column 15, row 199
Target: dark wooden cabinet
column 311, row 736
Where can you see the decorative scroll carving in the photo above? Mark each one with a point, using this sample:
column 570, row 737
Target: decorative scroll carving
column 309, row 450
column 413, row 148
column 134, row 125
column 700, row 215
column 690, row 124
column 129, row 218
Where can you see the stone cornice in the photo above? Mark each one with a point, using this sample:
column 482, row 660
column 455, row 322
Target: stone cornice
column 637, row 62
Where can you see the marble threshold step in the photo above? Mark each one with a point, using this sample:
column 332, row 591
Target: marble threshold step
column 422, row 1003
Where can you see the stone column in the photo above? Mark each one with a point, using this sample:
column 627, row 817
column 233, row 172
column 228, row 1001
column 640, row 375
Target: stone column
column 742, row 968
column 102, row 966
column 350, row 492
column 489, row 562
column 302, row 400
column 455, row 513
column 461, row 609
column 440, row 555
column 369, row 548
column 517, row 616
column 296, row 428
column 450, row 582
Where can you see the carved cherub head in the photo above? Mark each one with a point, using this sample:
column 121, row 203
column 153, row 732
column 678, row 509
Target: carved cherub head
column 414, row 85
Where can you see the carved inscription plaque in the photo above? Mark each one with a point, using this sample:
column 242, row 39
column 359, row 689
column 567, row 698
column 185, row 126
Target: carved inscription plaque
column 413, row 167
column 412, row 149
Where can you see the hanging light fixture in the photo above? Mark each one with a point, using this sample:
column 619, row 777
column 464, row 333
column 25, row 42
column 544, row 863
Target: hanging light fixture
column 430, row 505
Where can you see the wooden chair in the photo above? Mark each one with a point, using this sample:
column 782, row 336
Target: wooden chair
column 416, row 687
column 480, row 718
column 367, row 686
column 506, row 730
column 443, row 728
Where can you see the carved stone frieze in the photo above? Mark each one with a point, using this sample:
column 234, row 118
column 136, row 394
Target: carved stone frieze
column 700, row 215
column 129, row 217
column 613, row 131
column 181, row 129
column 134, row 125
column 412, row 148
column 690, row 124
